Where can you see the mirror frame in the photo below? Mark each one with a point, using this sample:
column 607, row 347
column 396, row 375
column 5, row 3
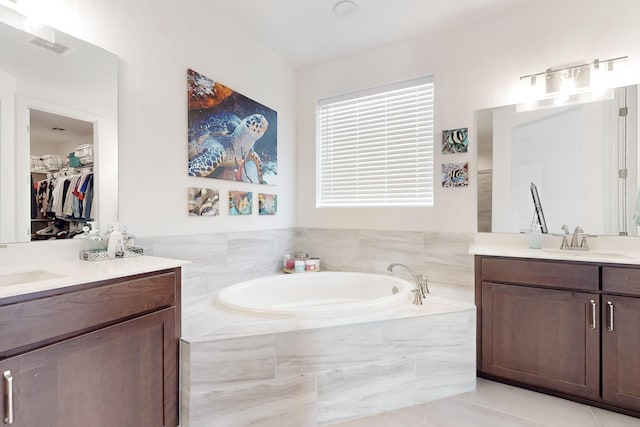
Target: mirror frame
column 106, row 201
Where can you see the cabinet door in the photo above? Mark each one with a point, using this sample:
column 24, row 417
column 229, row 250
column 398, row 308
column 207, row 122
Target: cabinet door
column 620, row 351
column 543, row 337
column 123, row 375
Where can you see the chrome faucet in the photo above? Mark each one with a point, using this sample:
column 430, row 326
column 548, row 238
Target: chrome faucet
column 576, row 237
column 422, row 288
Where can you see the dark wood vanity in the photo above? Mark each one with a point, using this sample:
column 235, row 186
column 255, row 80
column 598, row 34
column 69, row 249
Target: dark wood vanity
column 571, row 329
column 98, row 354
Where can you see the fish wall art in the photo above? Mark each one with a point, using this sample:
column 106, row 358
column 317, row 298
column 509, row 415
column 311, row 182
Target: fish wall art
column 455, row 174
column 455, row 141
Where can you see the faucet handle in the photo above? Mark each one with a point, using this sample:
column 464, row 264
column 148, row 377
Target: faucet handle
column 564, row 244
column 417, row 298
column 424, row 286
column 583, row 242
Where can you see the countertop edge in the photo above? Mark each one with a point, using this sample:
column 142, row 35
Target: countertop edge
column 554, row 254
column 77, row 272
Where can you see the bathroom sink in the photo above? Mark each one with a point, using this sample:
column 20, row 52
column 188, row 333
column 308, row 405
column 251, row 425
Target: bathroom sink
column 587, row 254
column 27, row 277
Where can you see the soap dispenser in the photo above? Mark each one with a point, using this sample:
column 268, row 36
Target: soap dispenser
column 115, row 245
column 95, row 241
column 535, row 236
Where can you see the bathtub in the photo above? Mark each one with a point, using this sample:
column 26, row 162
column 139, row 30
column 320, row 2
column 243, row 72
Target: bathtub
column 241, row 368
column 316, row 294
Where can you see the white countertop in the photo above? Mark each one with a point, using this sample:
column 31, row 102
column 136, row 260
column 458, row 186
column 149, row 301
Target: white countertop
column 69, row 269
column 603, row 249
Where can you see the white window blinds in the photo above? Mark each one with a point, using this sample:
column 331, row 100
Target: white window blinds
column 375, row 148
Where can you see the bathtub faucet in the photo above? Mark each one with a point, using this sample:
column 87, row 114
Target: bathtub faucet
column 422, row 288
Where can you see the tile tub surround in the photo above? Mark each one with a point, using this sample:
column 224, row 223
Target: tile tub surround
column 222, row 259
column 443, row 257
column 248, row 370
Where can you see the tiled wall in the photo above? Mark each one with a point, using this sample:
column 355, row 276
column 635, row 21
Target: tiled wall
column 221, row 259
column 442, row 257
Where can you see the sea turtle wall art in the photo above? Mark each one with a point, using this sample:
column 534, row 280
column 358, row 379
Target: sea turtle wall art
column 230, row 135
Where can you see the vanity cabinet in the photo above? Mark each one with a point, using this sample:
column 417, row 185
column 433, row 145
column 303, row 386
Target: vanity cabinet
column 100, row 354
column 621, row 336
column 567, row 328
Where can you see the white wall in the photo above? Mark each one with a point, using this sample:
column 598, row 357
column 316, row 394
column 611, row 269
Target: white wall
column 156, row 43
column 476, row 65
column 7, row 155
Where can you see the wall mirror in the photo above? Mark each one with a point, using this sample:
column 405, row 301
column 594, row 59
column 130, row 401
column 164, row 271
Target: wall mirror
column 57, row 96
column 582, row 158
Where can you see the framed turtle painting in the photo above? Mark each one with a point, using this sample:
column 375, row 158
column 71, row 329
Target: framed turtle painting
column 231, row 136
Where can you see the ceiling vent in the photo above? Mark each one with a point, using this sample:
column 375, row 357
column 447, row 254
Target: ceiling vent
column 58, row 48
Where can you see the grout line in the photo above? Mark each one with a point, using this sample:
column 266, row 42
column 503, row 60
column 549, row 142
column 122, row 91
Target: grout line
column 595, row 417
column 540, row 423
column 422, row 422
column 386, row 417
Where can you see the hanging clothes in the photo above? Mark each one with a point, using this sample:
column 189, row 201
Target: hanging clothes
column 66, row 197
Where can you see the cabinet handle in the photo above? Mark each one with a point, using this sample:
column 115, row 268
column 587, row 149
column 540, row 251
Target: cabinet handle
column 593, row 314
column 8, row 410
column 610, row 309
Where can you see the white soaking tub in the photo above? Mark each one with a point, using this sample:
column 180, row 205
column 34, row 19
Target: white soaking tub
column 316, row 294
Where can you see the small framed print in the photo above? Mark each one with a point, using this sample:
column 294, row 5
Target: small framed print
column 455, row 141
column 203, row 201
column 240, row 203
column 455, row 175
column 267, row 204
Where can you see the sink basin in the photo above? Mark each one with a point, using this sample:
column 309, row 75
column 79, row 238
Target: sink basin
column 587, row 254
column 27, row 277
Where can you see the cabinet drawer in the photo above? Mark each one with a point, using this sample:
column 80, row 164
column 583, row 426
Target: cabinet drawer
column 541, row 273
column 45, row 319
column 624, row 280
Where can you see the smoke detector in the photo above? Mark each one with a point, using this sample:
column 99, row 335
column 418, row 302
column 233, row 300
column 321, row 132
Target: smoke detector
column 345, row 8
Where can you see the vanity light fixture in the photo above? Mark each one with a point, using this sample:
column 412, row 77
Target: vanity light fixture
column 579, row 83
column 345, row 8
column 22, row 16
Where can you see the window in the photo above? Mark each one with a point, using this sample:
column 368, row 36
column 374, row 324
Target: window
column 375, row 148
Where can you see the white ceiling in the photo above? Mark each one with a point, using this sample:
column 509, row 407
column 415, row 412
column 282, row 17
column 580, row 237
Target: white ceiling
column 305, row 32
column 56, row 132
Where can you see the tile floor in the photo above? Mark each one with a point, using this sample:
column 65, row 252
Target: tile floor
column 497, row 405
